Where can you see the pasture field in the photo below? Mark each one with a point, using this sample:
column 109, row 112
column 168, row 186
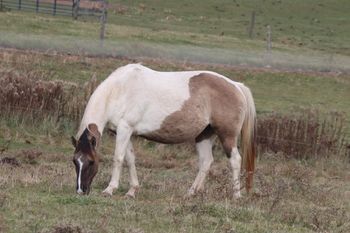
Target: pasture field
column 291, row 195
column 308, row 68
column 316, row 25
column 312, row 34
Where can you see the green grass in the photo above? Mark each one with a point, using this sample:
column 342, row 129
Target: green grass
column 305, row 34
column 315, row 24
column 291, row 195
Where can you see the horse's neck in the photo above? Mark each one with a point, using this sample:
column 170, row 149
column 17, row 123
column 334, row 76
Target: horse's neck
column 96, row 111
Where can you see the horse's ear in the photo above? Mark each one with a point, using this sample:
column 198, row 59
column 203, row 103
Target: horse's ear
column 94, row 135
column 74, row 142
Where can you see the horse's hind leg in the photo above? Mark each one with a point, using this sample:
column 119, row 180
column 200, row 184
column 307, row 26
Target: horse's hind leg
column 130, row 160
column 230, row 146
column 235, row 162
column 204, row 150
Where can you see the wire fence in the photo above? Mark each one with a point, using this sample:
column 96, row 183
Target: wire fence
column 67, row 8
column 73, row 8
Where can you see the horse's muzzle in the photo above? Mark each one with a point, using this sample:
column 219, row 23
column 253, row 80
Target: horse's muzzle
column 83, row 192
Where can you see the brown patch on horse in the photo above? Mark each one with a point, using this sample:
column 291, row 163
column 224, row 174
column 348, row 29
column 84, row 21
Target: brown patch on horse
column 215, row 105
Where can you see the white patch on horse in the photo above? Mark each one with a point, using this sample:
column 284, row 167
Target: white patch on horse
column 79, row 175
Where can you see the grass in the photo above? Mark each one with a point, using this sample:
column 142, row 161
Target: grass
column 290, row 195
column 324, row 91
column 310, row 39
column 314, row 24
column 305, row 35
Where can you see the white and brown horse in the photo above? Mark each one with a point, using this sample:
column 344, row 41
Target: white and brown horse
column 166, row 107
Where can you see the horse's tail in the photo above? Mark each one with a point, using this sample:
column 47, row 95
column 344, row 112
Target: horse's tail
column 248, row 141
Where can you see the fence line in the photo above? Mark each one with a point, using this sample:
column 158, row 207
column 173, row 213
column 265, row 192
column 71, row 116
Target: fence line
column 72, row 8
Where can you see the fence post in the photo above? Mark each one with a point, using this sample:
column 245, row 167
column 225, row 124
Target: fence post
column 103, row 22
column 0, row 5
column 54, row 7
column 75, row 8
column 251, row 26
column 37, row 6
column 19, row 4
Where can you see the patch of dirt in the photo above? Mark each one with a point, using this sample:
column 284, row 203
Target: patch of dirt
column 67, row 229
column 11, row 161
column 30, row 156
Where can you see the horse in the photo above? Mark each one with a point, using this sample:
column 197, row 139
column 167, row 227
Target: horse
column 170, row 108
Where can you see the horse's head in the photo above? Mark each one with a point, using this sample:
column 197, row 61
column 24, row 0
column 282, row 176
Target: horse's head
column 85, row 158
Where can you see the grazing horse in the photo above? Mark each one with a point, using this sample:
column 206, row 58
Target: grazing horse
column 166, row 107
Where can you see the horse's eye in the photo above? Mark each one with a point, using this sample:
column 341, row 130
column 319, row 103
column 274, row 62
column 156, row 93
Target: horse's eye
column 91, row 162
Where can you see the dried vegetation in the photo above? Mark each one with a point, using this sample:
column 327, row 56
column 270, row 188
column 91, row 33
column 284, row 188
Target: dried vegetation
column 29, row 95
column 303, row 134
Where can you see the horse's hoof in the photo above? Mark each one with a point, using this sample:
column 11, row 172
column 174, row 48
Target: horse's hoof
column 190, row 194
column 107, row 192
column 130, row 195
column 132, row 192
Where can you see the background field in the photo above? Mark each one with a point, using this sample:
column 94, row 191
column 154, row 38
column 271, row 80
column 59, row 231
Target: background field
column 308, row 69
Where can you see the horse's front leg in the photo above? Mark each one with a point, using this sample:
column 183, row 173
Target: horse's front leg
column 133, row 180
column 124, row 132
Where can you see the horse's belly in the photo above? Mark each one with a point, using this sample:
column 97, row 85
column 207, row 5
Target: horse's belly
column 175, row 133
column 179, row 127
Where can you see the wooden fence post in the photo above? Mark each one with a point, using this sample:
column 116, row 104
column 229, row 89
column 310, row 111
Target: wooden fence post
column 251, row 26
column 37, row 6
column 54, row 7
column 19, row 4
column 103, row 22
column 75, row 8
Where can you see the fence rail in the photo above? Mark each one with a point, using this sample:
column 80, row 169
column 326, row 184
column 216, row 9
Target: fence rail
column 74, row 8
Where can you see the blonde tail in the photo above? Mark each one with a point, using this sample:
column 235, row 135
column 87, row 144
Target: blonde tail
column 249, row 137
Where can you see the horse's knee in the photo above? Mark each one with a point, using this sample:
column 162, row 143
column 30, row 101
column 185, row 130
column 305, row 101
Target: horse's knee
column 118, row 160
column 235, row 158
column 206, row 163
column 130, row 160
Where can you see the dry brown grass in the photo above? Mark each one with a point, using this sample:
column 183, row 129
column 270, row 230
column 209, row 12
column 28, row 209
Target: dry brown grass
column 303, row 134
column 29, row 95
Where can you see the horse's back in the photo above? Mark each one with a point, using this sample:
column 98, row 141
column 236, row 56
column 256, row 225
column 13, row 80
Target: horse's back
column 180, row 105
